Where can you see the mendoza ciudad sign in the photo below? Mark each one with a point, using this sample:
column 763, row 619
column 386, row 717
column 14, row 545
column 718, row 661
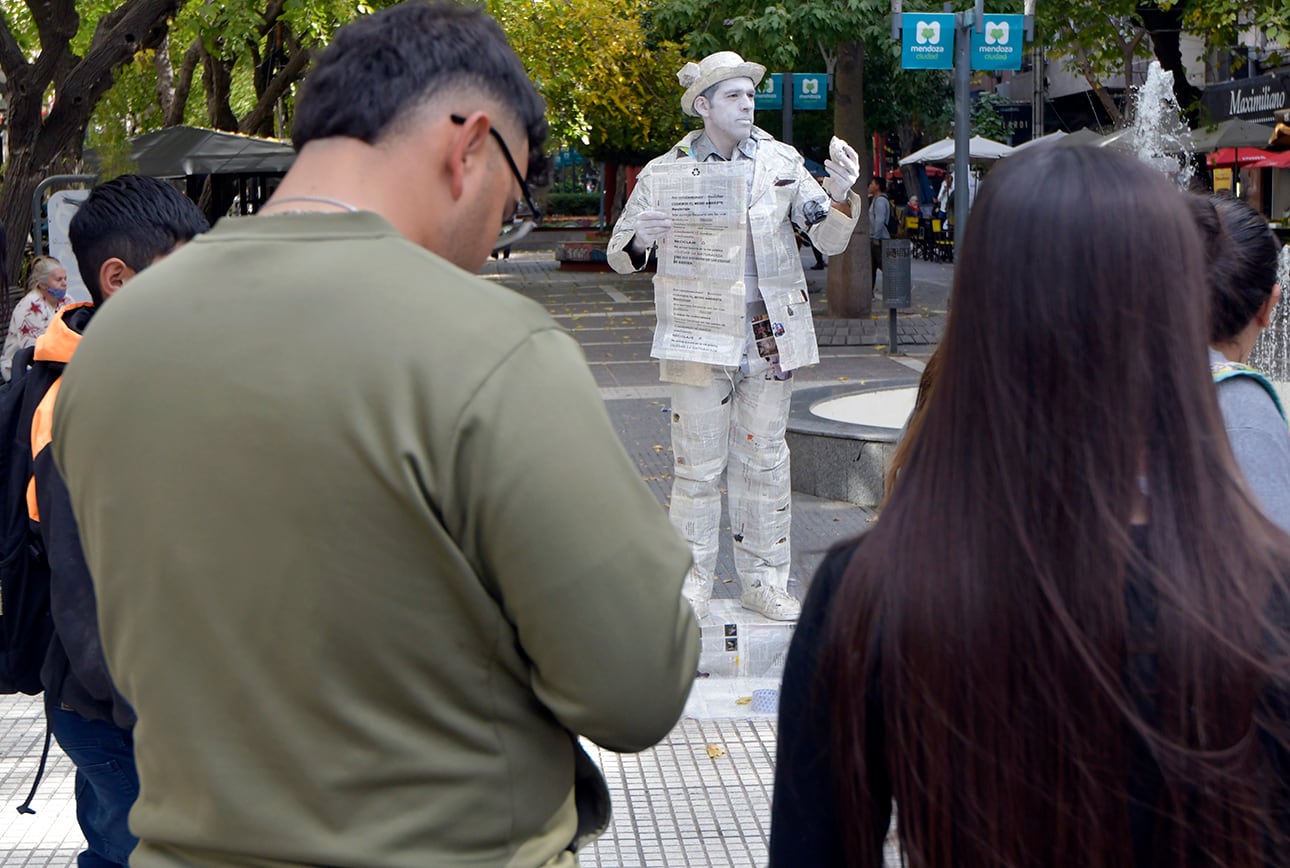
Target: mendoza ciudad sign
column 999, row 44
column 771, row 93
column 927, row 41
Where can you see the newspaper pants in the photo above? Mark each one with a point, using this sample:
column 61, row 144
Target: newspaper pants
column 736, row 422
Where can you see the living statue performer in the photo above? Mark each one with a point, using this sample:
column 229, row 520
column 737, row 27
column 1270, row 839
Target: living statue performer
column 731, row 384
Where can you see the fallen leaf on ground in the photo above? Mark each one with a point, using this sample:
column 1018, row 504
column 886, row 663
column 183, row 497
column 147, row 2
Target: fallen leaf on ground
column 715, row 751
column 743, row 700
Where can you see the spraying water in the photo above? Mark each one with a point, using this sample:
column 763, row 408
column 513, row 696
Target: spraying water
column 1271, row 354
column 1158, row 134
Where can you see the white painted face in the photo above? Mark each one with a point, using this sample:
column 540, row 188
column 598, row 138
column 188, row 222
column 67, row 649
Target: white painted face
column 729, row 113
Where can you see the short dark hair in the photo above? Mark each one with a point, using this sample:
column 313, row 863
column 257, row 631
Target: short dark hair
column 382, row 66
column 1241, row 253
column 134, row 218
column 881, row 182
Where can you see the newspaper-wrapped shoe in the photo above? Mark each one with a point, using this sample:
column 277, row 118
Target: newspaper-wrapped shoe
column 697, row 591
column 774, row 603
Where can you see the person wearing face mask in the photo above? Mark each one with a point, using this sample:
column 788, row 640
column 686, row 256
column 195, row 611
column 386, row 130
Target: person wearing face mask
column 737, row 412
column 46, row 295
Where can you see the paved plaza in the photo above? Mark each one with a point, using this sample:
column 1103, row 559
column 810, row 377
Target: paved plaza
column 702, row 796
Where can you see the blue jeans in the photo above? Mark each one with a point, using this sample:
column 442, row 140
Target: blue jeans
column 107, row 784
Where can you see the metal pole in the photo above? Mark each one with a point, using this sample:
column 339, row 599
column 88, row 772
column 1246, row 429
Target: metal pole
column 787, row 138
column 962, row 123
column 1037, row 92
column 892, row 342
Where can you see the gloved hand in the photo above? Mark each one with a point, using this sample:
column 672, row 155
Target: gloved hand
column 843, row 167
column 650, row 227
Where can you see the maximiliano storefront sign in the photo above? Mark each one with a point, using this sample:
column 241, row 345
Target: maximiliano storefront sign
column 1250, row 99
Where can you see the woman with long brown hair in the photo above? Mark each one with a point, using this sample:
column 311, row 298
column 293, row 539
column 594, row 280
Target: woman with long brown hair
column 1064, row 644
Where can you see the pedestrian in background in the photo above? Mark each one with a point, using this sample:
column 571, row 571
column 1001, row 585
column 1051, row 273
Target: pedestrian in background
column 879, row 215
column 1065, row 641
column 1241, row 253
column 369, row 555
column 46, row 295
column 124, row 226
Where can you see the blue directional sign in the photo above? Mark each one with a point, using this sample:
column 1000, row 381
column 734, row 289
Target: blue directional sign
column 810, row 91
column 1000, row 44
column 927, row 41
column 771, row 93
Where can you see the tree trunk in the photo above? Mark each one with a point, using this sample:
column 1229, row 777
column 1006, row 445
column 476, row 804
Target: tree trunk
column 165, row 76
column 850, row 284
column 1100, row 91
column 1165, row 28
column 217, row 77
column 40, row 147
column 174, row 115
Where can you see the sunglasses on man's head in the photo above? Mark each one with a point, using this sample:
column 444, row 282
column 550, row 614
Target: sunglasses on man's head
column 525, row 215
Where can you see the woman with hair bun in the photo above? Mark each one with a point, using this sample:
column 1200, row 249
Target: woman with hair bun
column 1242, row 257
column 1065, row 642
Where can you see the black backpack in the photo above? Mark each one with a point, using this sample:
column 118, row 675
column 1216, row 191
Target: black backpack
column 893, row 220
column 26, row 625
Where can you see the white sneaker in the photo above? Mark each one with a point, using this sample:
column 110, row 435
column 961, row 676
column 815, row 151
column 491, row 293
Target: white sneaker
column 697, row 592
column 771, row 602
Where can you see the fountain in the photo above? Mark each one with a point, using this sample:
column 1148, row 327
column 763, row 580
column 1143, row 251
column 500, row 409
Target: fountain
column 1160, row 138
column 842, row 437
column 1158, row 134
column 1271, row 354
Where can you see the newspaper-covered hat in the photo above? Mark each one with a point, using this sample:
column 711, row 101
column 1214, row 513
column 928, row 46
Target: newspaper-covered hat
column 698, row 77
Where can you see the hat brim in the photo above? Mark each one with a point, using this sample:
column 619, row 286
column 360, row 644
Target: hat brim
column 755, row 71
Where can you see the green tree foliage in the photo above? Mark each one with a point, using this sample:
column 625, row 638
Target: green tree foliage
column 1101, row 40
column 610, row 89
column 986, row 120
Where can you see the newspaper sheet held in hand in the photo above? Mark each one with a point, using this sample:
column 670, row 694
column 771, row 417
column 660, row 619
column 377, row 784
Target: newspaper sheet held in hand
column 699, row 288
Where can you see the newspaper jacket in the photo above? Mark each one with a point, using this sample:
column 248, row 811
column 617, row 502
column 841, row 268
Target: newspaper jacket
column 783, row 195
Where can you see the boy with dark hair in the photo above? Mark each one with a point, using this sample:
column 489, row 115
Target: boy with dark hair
column 124, row 226
column 127, row 224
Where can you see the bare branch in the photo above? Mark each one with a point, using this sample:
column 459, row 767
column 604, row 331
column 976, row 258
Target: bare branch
column 286, row 76
column 56, row 21
column 272, row 13
column 12, row 60
column 120, row 34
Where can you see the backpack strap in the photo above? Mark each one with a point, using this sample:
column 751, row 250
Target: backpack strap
column 1228, row 369
column 25, row 807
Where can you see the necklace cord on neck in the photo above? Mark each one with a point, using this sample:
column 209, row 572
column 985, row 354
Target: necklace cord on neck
column 322, row 200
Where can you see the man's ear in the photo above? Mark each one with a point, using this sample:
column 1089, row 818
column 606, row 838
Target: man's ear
column 113, row 274
column 466, row 148
column 701, row 106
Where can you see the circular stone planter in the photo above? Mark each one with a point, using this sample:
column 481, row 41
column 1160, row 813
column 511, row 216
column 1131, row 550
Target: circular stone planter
column 842, row 437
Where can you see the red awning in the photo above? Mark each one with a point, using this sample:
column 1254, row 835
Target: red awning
column 1230, row 156
column 1272, row 161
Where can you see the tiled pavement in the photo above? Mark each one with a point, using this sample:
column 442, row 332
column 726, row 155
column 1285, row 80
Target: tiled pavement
column 679, row 803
